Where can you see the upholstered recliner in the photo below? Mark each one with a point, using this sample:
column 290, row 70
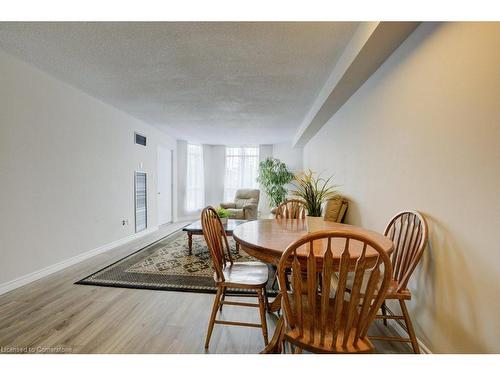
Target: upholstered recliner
column 245, row 204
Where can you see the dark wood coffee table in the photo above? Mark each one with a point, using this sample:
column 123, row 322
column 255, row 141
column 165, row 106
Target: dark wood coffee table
column 196, row 229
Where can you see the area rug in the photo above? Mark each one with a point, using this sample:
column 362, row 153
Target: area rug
column 167, row 265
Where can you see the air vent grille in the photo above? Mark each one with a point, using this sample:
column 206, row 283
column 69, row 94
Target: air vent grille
column 141, row 208
column 140, row 139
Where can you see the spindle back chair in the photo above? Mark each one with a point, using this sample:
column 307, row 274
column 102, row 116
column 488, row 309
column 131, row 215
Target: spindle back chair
column 317, row 317
column 251, row 276
column 215, row 237
column 408, row 230
column 291, row 209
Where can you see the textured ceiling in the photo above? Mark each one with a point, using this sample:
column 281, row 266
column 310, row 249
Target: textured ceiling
column 205, row 82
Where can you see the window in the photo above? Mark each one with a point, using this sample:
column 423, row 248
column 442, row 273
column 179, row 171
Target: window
column 242, row 165
column 195, row 189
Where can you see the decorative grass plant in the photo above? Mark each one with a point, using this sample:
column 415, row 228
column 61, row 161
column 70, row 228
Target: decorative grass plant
column 313, row 190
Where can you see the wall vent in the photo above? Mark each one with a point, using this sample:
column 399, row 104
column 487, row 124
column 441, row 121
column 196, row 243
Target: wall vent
column 140, row 139
column 141, row 202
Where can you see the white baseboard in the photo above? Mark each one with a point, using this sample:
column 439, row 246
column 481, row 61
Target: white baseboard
column 23, row 280
column 402, row 332
column 188, row 218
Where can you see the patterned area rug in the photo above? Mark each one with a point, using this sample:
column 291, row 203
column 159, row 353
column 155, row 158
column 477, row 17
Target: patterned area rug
column 167, row 265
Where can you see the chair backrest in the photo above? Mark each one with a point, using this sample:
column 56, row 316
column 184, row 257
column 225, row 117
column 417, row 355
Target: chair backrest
column 335, row 209
column 291, row 209
column 320, row 315
column 215, row 237
column 244, row 197
column 408, row 231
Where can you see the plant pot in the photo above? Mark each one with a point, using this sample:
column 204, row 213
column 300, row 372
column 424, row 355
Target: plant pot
column 223, row 220
column 313, row 223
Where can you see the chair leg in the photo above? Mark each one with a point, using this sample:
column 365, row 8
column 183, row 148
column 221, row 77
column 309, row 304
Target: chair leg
column 276, row 345
column 275, row 281
column 409, row 326
column 384, row 312
column 266, row 298
column 298, row 350
column 287, row 281
column 275, row 306
column 275, row 277
column 212, row 317
column 262, row 309
column 223, row 297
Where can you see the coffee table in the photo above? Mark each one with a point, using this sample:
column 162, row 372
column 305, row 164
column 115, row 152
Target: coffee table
column 196, row 229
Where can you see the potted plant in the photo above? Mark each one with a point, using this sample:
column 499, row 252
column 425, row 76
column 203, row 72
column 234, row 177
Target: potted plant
column 313, row 190
column 223, row 214
column 273, row 176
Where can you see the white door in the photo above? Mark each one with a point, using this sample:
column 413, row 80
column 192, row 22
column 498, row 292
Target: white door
column 164, row 185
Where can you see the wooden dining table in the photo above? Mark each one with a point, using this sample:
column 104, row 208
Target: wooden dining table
column 267, row 239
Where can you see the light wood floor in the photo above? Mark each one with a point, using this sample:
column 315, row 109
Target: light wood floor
column 53, row 314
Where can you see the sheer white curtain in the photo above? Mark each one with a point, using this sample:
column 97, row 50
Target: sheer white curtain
column 242, row 165
column 195, row 185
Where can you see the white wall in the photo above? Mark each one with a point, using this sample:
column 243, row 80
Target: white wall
column 423, row 132
column 67, row 165
column 289, row 155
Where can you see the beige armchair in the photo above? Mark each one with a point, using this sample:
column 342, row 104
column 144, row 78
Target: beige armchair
column 245, row 204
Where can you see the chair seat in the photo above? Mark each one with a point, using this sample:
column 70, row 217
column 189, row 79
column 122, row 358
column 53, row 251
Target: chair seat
column 245, row 275
column 393, row 293
column 363, row 345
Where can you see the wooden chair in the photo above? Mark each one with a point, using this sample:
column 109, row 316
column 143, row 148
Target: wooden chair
column 275, row 346
column 408, row 231
column 228, row 274
column 318, row 318
column 291, row 209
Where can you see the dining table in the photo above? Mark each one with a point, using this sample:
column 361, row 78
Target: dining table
column 267, row 239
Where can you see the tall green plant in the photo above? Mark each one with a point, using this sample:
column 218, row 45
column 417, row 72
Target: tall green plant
column 273, row 176
column 313, row 191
